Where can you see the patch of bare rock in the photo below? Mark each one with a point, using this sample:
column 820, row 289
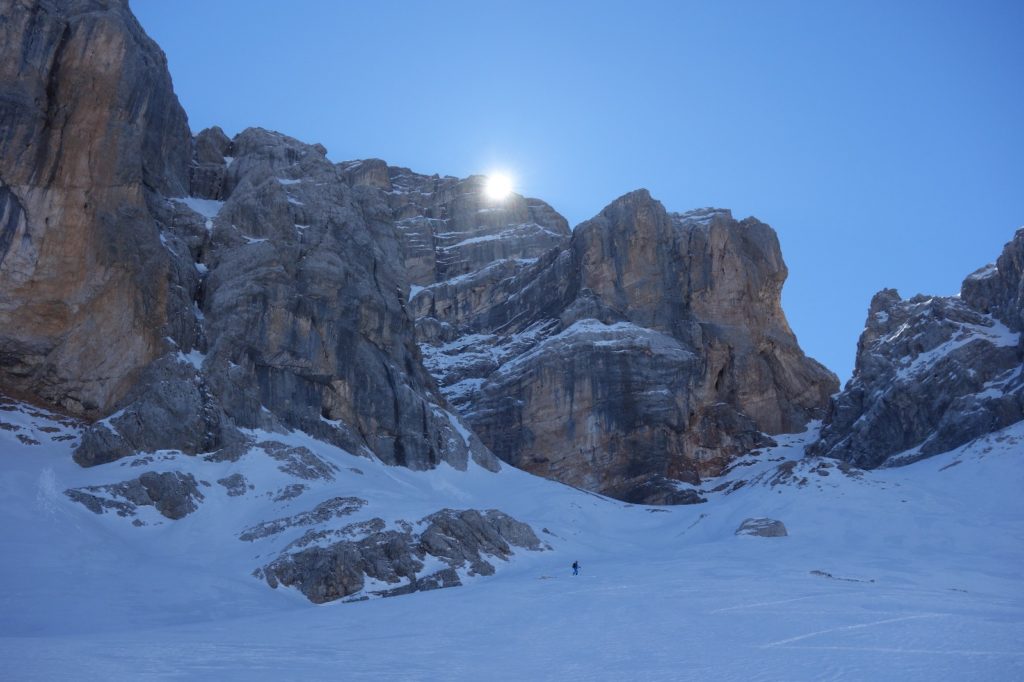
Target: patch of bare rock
column 762, row 527
column 461, row 539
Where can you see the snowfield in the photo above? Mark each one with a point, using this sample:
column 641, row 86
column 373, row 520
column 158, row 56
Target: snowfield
column 914, row 573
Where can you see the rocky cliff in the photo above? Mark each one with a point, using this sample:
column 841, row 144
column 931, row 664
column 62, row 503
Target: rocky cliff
column 91, row 135
column 183, row 290
column 187, row 293
column 932, row 372
column 644, row 351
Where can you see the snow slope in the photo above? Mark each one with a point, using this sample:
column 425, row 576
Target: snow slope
column 897, row 574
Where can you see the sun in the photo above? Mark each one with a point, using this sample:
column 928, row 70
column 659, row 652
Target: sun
column 498, row 186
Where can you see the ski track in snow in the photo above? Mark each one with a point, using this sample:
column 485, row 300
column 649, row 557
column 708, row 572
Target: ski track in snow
column 937, row 552
column 761, row 603
column 928, row 652
column 858, row 626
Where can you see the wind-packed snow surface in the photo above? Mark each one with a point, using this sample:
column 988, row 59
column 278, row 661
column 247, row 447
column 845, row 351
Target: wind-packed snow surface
column 895, row 574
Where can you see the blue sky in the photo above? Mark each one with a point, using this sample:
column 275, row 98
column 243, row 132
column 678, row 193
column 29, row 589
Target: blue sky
column 882, row 140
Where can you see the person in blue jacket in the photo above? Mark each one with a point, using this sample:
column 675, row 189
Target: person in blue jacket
column 575, row 568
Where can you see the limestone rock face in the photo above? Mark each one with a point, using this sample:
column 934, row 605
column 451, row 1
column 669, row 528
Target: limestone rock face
column 90, row 134
column 304, row 310
column 183, row 289
column 294, row 316
column 450, row 229
column 933, row 373
column 647, row 351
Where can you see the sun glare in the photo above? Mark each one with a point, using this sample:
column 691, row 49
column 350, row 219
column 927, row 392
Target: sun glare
column 498, row 186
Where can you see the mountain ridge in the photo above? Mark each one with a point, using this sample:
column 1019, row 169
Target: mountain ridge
column 231, row 284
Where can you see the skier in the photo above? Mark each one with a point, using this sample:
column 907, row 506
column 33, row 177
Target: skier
column 575, row 568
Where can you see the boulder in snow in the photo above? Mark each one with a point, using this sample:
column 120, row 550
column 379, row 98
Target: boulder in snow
column 762, row 527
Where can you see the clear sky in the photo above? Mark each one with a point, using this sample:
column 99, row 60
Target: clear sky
column 884, row 141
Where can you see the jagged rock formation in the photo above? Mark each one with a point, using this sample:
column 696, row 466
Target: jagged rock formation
column 646, row 349
column 933, row 373
column 192, row 288
column 459, row 538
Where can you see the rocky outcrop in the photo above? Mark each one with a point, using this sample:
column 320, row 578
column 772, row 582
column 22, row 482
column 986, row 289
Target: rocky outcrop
column 647, row 351
column 463, row 538
column 656, row 490
column 933, row 373
column 235, row 484
column 298, row 461
column 173, row 494
column 762, row 527
column 459, row 538
column 335, row 507
column 170, row 407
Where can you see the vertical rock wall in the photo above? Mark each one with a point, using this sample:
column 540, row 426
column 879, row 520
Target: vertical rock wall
column 90, row 129
column 646, row 351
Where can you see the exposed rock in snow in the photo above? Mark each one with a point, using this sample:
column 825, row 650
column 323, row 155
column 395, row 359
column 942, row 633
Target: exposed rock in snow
column 236, row 484
column 656, row 490
column 325, row 511
column 299, row 461
column 262, row 487
column 175, row 495
column 762, row 527
column 460, row 539
column 290, row 492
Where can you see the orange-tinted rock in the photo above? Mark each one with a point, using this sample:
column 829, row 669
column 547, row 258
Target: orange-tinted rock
column 650, row 351
column 89, row 131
